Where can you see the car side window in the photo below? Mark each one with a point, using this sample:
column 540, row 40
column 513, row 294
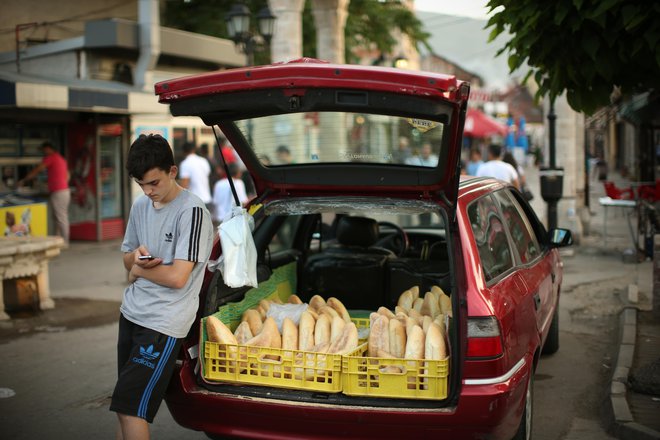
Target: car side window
column 523, row 236
column 490, row 237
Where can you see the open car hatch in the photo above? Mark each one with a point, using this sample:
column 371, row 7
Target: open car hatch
column 362, row 130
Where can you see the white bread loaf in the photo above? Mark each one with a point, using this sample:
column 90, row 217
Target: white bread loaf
column 417, row 305
column 414, row 314
column 379, row 337
column 262, row 312
column 306, row 331
column 336, row 327
column 289, row 335
column 327, row 310
column 397, row 338
column 217, row 331
column 347, row 340
column 338, row 306
column 398, row 310
column 294, row 299
column 406, row 300
column 268, row 337
column 385, row 311
column 426, row 323
column 415, row 343
column 430, row 306
column 265, row 304
column 445, row 304
column 322, row 329
column 316, row 302
column 435, row 348
column 415, row 292
column 253, row 318
column 243, row 333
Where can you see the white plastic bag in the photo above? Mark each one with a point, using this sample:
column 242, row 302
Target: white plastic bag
column 280, row 311
column 238, row 263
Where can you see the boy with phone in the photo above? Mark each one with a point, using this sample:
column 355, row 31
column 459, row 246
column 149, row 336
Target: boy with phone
column 166, row 246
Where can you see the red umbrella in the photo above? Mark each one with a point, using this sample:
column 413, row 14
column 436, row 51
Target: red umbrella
column 480, row 125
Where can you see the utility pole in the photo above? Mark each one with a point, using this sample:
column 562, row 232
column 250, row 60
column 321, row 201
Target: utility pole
column 552, row 178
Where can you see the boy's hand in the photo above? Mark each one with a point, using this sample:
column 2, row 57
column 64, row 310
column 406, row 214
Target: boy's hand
column 145, row 264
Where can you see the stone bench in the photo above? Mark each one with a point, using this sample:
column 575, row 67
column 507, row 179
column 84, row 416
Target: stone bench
column 22, row 257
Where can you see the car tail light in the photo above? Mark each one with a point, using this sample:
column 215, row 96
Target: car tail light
column 484, row 337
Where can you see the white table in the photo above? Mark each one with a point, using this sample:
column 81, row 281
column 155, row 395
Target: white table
column 25, row 257
column 608, row 202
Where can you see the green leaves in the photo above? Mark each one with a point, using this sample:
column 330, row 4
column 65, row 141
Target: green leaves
column 582, row 47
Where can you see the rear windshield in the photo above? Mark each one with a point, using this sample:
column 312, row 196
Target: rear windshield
column 340, row 137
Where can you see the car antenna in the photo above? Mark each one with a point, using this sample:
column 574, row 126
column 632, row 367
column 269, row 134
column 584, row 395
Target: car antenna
column 230, row 179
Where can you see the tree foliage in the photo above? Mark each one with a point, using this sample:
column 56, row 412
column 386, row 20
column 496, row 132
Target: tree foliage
column 583, row 47
column 369, row 22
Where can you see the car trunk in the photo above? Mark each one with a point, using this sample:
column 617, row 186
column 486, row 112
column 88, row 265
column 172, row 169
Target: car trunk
column 365, row 143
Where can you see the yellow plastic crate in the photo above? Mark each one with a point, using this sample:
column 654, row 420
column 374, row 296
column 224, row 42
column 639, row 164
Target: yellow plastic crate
column 293, row 369
column 408, row 379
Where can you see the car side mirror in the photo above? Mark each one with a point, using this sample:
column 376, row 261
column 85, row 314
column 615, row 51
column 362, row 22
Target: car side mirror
column 560, row 237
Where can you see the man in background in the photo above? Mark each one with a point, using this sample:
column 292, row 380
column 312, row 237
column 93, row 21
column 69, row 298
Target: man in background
column 497, row 168
column 58, row 187
column 194, row 174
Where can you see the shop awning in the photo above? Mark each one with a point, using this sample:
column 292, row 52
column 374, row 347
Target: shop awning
column 480, row 125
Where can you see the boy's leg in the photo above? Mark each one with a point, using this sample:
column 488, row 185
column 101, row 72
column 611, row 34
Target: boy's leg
column 132, row 428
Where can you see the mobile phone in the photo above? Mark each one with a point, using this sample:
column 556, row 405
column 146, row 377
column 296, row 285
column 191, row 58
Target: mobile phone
column 145, row 257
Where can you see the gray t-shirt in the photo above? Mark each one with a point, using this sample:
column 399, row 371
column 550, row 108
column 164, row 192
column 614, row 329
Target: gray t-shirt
column 180, row 230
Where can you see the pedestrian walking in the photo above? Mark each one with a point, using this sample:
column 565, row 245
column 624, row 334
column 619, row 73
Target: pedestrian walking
column 223, row 198
column 58, row 186
column 475, row 161
column 496, row 168
column 522, row 180
column 194, row 174
column 167, row 243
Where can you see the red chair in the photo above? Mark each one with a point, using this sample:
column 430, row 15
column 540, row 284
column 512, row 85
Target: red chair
column 613, row 192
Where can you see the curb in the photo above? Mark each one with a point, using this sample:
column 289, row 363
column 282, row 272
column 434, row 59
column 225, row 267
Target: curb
column 624, row 425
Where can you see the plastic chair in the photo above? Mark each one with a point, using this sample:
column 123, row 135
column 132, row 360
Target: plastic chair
column 613, row 192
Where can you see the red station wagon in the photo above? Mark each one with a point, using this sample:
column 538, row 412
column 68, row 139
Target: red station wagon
column 371, row 205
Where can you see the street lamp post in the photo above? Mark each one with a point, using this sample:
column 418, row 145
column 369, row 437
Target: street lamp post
column 238, row 28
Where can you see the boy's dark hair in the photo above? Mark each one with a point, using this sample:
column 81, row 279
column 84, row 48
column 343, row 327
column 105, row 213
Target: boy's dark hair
column 147, row 152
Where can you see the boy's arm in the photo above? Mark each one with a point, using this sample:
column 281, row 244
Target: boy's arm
column 174, row 276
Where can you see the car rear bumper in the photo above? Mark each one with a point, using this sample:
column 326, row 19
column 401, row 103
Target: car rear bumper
column 491, row 410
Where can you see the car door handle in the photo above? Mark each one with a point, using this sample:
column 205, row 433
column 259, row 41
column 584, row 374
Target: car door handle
column 537, row 301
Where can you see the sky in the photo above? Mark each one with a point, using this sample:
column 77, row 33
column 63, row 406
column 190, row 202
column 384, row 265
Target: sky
column 468, row 8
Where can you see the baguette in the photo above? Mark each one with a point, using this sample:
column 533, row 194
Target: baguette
column 445, row 304
column 322, row 330
column 385, row 311
column 289, row 335
column 217, row 331
column 415, row 343
column 347, row 340
column 430, row 305
column 338, row 306
column 406, row 300
column 336, row 327
column 400, row 310
column 294, row 299
column 243, row 333
column 306, row 331
column 327, row 310
column 415, row 292
column 435, row 348
column 268, row 337
column 316, row 302
column 417, row 305
column 253, row 318
column 397, row 338
column 379, row 338
column 426, row 323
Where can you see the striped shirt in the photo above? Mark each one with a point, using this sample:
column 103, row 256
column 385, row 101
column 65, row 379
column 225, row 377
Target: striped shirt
column 180, row 230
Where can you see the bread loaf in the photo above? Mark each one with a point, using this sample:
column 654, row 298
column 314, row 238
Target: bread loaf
column 294, row 299
column 262, row 312
column 347, row 340
column 417, row 305
column 445, row 304
column 397, row 338
column 430, row 306
column 427, row 320
column 379, row 337
column 415, row 343
column 269, row 336
column 406, row 300
column 306, row 331
column 265, row 304
column 253, row 318
column 400, row 310
column 243, row 333
column 435, row 348
column 385, row 311
column 327, row 310
column 316, row 302
column 338, row 306
column 289, row 335
column 414, row 290
column 336, row 327
column 217, row 331
column 322, row 329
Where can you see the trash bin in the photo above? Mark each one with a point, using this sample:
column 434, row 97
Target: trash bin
column 552, row 183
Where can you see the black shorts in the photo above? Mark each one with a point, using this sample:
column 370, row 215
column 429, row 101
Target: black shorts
column 146, row 360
